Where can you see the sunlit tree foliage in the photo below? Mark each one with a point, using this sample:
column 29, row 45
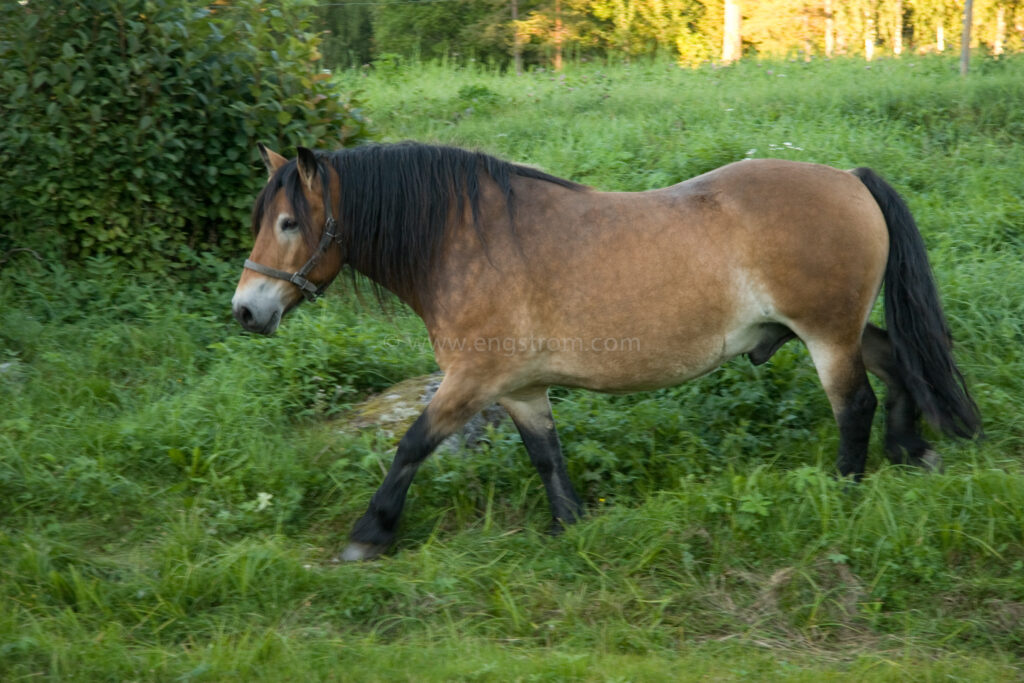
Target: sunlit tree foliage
column 689, row 31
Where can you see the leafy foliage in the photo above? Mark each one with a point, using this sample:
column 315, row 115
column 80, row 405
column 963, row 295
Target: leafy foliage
column 129, row 125
column 469, row 28
column 347, row 39
column 689, row 31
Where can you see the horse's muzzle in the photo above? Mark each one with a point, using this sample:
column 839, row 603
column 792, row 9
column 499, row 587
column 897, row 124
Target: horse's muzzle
column 255, row 320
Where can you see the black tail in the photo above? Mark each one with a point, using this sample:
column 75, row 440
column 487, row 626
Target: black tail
column 921, row 341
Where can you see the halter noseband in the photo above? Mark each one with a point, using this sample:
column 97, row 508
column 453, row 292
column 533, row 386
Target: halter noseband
column 330, row 234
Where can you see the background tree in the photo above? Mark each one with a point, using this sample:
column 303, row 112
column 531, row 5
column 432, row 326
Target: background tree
column 426, row 30
column 490, row 33
column 650, row 27
column 692, row 31
column 891, row 24
column 865, row 26
column 999, row 39
column 934, row 23
column 481, row 30
column 785, row 27
column 130, row 125
column 965, row 36
column 999, row 24
column 347, row 38
column 1015, row 26
column 517, row 38
column 732, row 41
column 550, row 28
column 869, row 26
column 830, row 29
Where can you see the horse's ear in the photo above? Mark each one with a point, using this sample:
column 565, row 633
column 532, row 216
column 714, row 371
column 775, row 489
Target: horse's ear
column 307, row 167
column 271, row 159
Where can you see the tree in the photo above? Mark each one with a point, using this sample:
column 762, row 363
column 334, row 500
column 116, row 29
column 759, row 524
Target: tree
column 130, row 125
column 732, row 41
column 476, row 29
column 783, row 27
column 347, row 38
column 517, row 44
column 693, row 31
column 1000, row 38
column 545, row 27
column 558, row 35
column 933, row 18
column 890, row 18
column 830, row 29
column 993, row 21
column 870, row 30
column 418, row 30
column 965, row 37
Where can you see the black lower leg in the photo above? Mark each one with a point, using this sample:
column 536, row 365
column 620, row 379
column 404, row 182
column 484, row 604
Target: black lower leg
column 378, row 525
column 855, row 431
column 546, row 455
column 903, row 442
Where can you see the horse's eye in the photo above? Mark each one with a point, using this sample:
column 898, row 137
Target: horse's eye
column 289, row 224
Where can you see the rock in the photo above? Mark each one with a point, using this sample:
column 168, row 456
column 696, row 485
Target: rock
column 13, row 373
column 395, row 409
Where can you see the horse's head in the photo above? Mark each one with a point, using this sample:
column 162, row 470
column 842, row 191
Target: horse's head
column 294, row 254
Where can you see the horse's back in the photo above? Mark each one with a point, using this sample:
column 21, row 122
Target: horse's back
column 779, row 198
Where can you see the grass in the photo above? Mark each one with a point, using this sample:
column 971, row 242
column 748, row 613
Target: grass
column 172, row 492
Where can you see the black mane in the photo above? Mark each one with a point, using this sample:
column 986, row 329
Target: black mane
column 396, row 201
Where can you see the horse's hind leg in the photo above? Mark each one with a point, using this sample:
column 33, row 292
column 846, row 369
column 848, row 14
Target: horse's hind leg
column 841, row 370
column 903, row 442
column 531, row 413
column 453, row 404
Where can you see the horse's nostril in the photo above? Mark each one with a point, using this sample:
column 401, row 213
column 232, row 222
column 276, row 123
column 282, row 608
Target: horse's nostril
column 244, row 315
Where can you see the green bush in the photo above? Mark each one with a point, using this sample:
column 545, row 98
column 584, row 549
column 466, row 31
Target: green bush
column 129, row 125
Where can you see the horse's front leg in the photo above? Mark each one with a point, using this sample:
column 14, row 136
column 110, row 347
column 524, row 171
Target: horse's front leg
column 451, row 407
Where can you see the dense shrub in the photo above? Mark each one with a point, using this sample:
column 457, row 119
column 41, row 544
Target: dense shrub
column 129, row 125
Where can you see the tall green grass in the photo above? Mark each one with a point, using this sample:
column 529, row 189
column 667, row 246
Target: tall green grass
column 172, row 491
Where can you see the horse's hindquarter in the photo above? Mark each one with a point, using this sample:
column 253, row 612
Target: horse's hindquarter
column 628, row 291
column 816, row 241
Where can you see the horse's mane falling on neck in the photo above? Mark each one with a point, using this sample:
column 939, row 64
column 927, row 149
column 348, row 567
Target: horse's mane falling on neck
column 397, row 202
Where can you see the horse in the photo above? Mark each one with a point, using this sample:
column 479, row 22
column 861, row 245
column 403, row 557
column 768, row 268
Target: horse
column 522, row 279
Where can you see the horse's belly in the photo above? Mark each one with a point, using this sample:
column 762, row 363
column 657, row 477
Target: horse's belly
column 627, row 365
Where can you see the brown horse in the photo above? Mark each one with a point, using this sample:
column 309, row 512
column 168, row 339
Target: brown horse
column 525, row 280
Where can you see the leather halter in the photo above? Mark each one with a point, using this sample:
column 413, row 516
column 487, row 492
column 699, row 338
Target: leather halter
column 309, row 290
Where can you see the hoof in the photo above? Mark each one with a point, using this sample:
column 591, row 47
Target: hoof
column 930, row 461
column 558, row 526
column 357, row 552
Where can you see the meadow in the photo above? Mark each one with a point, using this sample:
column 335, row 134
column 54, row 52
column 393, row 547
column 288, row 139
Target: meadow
column 173, row 492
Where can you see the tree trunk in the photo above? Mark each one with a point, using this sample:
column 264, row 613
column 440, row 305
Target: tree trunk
column 558, row 35
column 999, row 45
column 517, row 43
column 869, row 35
column 965, row 38
column 830, row 30
column 732, row 41
column 807, row 36
column 897, row 34
column 940, row 37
